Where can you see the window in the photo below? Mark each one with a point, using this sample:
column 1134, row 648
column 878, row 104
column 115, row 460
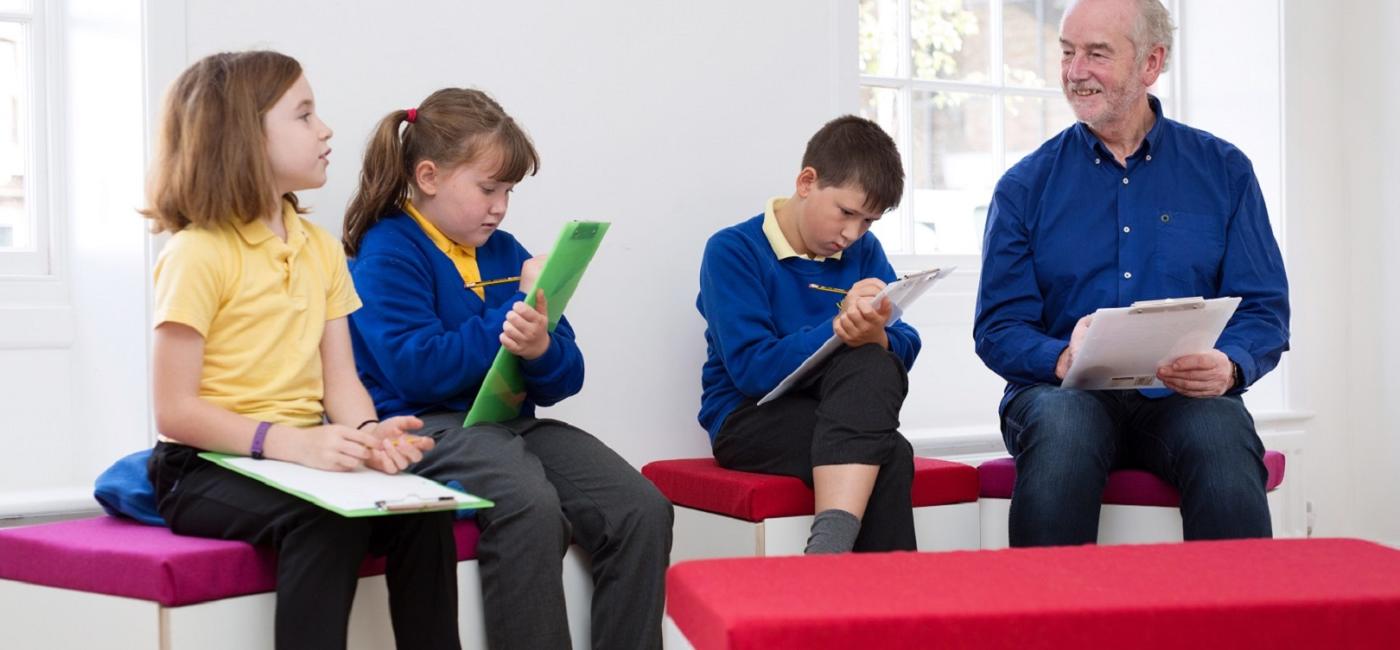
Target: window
column 966, row 88
column 23, row 232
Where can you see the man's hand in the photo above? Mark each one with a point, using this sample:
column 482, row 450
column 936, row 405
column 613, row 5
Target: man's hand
column 1209, row 374
column 1076, row 339
column 862, row 322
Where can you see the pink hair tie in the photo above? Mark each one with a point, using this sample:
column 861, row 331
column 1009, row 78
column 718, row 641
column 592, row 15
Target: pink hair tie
column 412, row 115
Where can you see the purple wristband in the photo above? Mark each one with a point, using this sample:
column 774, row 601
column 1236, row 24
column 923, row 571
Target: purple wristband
column 258, row 437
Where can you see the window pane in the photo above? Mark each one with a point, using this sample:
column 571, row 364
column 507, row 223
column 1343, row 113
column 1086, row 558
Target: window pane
column 879, row 37
column 950, row 39
column 1031, row 121
column 881, row 105
column 15, row 226
column 1031, row 37
column 954, row 171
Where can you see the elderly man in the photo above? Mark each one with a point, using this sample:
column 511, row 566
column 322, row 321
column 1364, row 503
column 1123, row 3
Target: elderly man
column 1127, row 205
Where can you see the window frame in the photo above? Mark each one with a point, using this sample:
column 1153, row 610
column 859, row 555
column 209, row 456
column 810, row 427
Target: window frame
column 37, row 261
column 996, row 89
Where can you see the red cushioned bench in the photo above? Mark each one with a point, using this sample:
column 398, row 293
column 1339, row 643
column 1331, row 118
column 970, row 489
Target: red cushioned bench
column 1138, row 506
column 113, row 583
column 1265, row 594
column 726, row 513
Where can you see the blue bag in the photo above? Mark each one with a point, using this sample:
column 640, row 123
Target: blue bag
column 125, row 490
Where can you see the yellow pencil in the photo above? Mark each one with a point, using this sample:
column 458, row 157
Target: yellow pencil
column 487, row 283
column 819, row 287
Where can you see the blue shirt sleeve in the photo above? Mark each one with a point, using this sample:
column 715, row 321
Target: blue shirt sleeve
column 1252, row 269
column 739, row 315
column 424, row 361
column 1008, row 328
column 558, row 373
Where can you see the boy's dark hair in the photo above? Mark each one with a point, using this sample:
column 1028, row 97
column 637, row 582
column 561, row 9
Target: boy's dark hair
column 853, row 151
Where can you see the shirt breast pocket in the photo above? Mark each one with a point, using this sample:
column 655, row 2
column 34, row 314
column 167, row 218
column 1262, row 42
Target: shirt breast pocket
column 1190, row 247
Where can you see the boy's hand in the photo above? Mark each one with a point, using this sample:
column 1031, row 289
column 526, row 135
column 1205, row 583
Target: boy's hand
column 530, row 272
column 862, row 322
column 334, row 447
column 396, row 449
column 526, row 331
column 867, row 288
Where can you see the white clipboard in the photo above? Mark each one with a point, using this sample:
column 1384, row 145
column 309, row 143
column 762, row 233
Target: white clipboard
column 1125, row 345
column 902, row 293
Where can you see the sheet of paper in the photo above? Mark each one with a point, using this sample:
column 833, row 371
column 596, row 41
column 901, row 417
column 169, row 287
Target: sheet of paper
column 1125, row 345
column 503, row 388
column 902, row 293
column 354, row 493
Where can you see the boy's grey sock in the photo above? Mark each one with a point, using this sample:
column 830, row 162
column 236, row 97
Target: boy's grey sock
column 833, row 531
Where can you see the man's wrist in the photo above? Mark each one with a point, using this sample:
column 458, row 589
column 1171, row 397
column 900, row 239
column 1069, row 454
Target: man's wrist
column 1236, row 377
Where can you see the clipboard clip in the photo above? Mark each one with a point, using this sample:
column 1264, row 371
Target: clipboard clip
column 585, row 231
column 1167, row 304
column 414, row 502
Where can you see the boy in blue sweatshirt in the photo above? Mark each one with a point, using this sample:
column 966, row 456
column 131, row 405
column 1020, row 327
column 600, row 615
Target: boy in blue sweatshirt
column 764, row 294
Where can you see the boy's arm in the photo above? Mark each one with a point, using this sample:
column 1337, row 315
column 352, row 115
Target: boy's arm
column 738, row 312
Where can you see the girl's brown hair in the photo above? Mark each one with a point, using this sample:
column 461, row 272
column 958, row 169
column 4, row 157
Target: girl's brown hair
column 453, row 126
column 211, row 160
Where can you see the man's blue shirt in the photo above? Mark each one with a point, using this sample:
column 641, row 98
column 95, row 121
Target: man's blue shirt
column 1069, row 230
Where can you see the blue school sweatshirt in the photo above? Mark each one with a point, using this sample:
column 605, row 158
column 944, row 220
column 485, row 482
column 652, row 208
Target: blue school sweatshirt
column 762, row 320
column 423, row 341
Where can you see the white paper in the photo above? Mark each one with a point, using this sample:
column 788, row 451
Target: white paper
column 353, row 490
column 902, row 293
column 1124, row 346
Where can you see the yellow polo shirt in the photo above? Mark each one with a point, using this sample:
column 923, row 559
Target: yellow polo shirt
column 463, row 257
column 261, row 305
column 777, row 239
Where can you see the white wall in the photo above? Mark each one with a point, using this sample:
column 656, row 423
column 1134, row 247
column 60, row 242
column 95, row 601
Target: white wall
column 669, row 119
column 1365, row 134
column 72, row 355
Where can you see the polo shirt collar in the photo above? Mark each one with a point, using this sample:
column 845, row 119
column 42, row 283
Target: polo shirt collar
column 256, row 232
column 774, row 232
column 440, row 240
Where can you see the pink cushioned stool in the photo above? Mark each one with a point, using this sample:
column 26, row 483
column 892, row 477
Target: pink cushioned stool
column 727, row 513
column 1138, row 506
column 114, row 583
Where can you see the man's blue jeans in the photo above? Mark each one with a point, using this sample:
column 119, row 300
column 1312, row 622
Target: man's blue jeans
column 1066, row 441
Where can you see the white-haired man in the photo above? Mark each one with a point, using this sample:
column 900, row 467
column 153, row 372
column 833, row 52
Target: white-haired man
column 1127, row 205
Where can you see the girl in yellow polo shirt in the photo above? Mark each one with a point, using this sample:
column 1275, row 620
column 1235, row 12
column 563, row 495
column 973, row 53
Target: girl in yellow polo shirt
column 252, row 356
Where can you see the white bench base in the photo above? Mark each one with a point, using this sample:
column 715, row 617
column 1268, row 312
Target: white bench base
column 671, row 636
column 699, row 535
column 1118, row 524
column 48, row 617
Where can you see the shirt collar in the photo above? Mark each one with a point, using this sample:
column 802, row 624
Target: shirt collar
column 441, row 241
column 776, row 239
column 256, row 232
column 1097, row 150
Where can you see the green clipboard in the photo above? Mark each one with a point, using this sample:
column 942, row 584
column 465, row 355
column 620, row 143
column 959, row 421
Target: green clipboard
column 503, row 389
column 363, row 493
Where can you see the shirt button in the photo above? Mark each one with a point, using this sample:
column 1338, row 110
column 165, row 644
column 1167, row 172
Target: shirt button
column 1127, row 229
column 1166, row 218
column 1127, row 275
column 1149, row 157
column 1096, row 161
column 1125, row 180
